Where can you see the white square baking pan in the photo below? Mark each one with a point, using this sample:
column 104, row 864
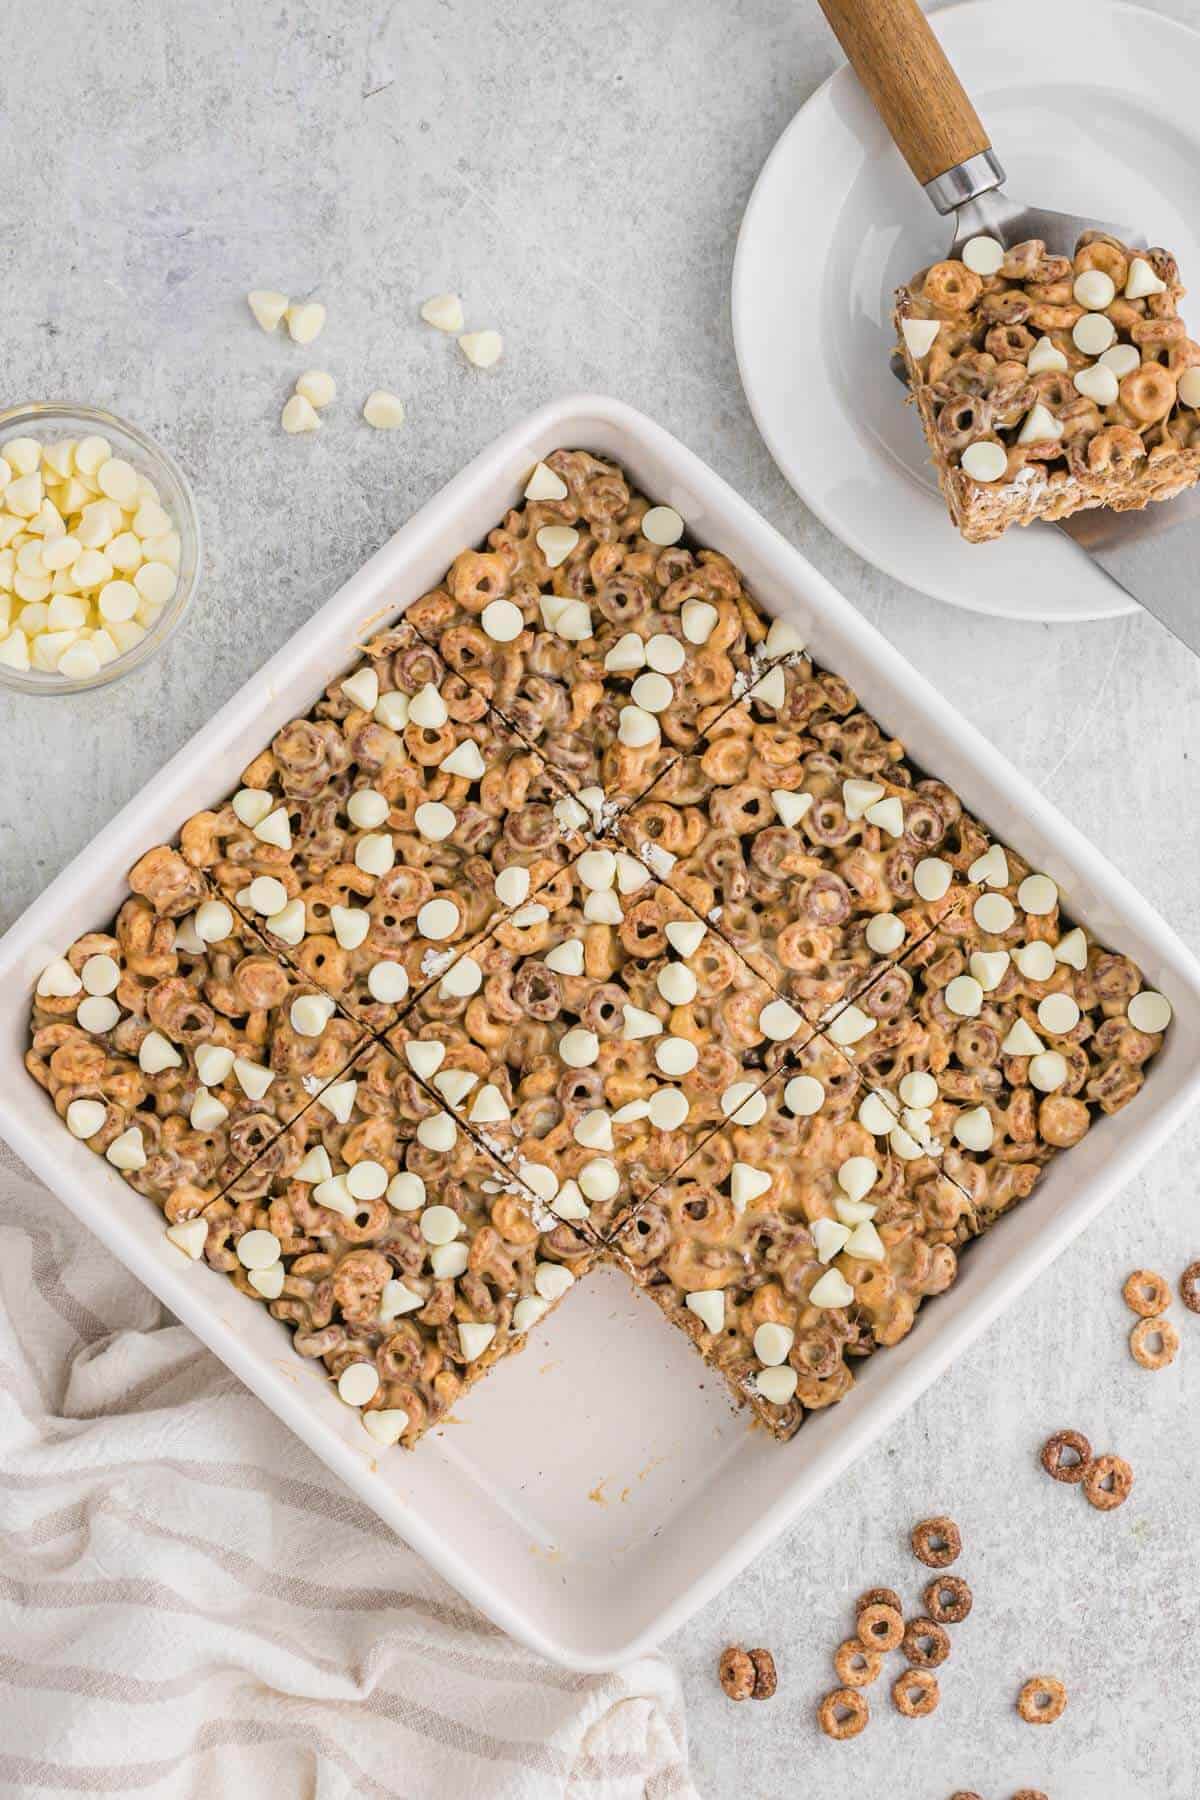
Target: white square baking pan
column 594, row 1491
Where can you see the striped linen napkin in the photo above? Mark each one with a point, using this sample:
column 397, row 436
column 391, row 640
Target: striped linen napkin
column 190, row 1605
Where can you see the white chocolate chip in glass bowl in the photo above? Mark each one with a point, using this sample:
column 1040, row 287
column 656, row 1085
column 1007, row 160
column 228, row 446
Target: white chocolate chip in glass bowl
column 919, row 335
column 482, row 349
column 983, row 255
column 1141, row 281
column 383, row 411
column 544, row 484
column 1046, row 358
column 1093, row 334
column 1094, row 289
column 985, row 461
column 662, row 525
column 444, row 312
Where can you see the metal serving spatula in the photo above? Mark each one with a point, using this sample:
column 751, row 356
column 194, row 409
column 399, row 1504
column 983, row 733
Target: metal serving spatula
column 1153, row 554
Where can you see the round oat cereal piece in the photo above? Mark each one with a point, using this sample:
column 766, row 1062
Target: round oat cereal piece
column 916, row 1693
column 880, row 1627
column 1064, row 1443
column 1107, row 1481
column 936, row 1542
column 1029, row 1794
column 1153, row 1343
column 1042, row 1700
column 855, row 1665
column 965, row 1794
column 736, row 1673
column 1189, row 1287
column 765, row 1678
column 1146, row 1294
column 878, row 1597
column 843, row 1713
column 948, row 1599
column 925, row 1643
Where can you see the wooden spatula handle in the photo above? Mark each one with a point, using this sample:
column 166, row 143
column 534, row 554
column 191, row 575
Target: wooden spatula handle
column 904, row 69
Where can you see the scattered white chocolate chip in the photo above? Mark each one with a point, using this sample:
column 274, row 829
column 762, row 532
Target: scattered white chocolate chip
column 358, row 1383
column 317, row 386
column 776, row 1386
column 1047, row 1072
column 579, row 1048
column 1189, row 386
column 772, row 1343
column 686, row 935
column 594, row 1130
column 97, row 1014
column 600, row 1179
column 770, row 689
column 830, row 1238
column 544, row 484
column 482, row 348
column 858, row 795
column 1094, row 289
column 428, row 709
column 1058, row 1014
column 974, row 1129
column 989, row 967
column 985, row 461
column 1141, row 281
column 58, row 980
column 462, row 979
column 316, row 1166
column 375, row 853
column 744, row 1103
column 1037, row 894
column 677, row 984
column 652, row 692
column 310, row 1014
column 865, row 1243
column 267, row 306
column 888, row 815
column 994, row 913
column 127, row 1152
column 779, row 1021
column 918, row 1088
column 445, row 313
column 552, row 1280
column 190, row 1236
column 1123, row 359
column 406, row 1192
column 157, row 1053
column 709, row 1307
column 304, row 320
column 299, row 415
column 1072, row 949
column 885, row 933
column 676, row 1056
column 964, row 996
column 790, row 807
column 502, row 621
column 626, row 655
column 85, row 1117
column 850, row 1026
column 214, row 1063
column 257, row 1249
column 831, row 1290
column 932, row 877
column 857, row 1176
column 383, row 411
column 386, row 1424
column 1046, row 358
column 350, row 925
column 1094, row 333
column 266, row 894
column 698, row 619
column 877, row 1114
column 1149, row 1011
column 804, row 1096
column 919, row 335
column 434, row 820
column 665, row 654
column 662, row 525
column 566, row 958
column 1035, row 960
column 983, row 255
column 396, row 1300
column 1040, row 426
column 474, row 1338
column 638, row 1023
column 1096, row 382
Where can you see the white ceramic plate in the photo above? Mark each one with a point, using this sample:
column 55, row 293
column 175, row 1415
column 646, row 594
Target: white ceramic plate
column 1092, row 109
column 594, row 1491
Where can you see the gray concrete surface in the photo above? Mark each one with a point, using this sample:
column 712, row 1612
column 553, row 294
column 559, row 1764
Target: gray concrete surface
column 578, row 174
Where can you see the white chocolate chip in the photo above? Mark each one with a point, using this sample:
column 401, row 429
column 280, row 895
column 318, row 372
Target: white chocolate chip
column 919, row 335
column 858, row 795
column 964, row 996
column 1058, row 1014
column 465, row 760
column 386, row 1424
column 406, row 1192
column 985, row 461
column 127, row 1152
column 310, row 1014
column 888, row 815
column 251, row 805
column 744, row 1103
column 367, row 808
column 190, row 1236
column 1072, row 949
column 1040, row 426
column 776, row 1386
column 626, row 655
column 709, row 1307
column 932, row 878
column 266, row 895
column 1149, row 1012
column 157, row 1053
column 804, row 1096
column 652, row 692
column 85, row 1117
column 543, row 484
column 213, row 922
column 662, row 525
column 1141, row 281
column 304, row 321
column 552, row 1281
column 685, row 936
column 316, row 1166
column 350, row 925
column 1097, row 382
column 974, row 1130
column 445, row 313
column 367, row 1180
column 1094, row 289
column 852, row 1212
column 383, row 411
column 440, row 1224
column 267, row 306
column 101, row 974
column 638, row 1023
column 58, row 980
column 676, row 1056
column 770, row 689
column 566, row 958
column 877, row 1114
column 772, row 1343
column 665, row 654
column 396, row 1300
column 375, row 853
column 462, row 979
column 1035, row 960
column 779, row 1021
column 831, row 1290
column 857, row 1176
column 747, row 1184
column 668, row 1109
column 482, row 348
column 597, row 869
column 632, row 875
column 268, row 1282
column 677, row 984
column 474, row 1339
column 850, row 1026
column 885, row 933
column 358, row 1383
column 530, row 1308
column 1189, row 386
column 1093, row 334
column 600, row 1179
column 363, row 688
column 275, row 829
column 989, row 968
column 637, row 729
column 918, row 1088
column 603, row 909
column 257, row 1249
column 434, row 820
column 983, row 255
column 1046, row 358
column 1037, row 894
column 214, row 1063
column 299, row 415
column 830, row 1238
column 991, row 868
column 994, row 913
column 790, row 807
column 698, row 619
column 579, row 1048
column 1048, row 1072
column 428, row 709
column 317, row 386
column 865, row 1243
column 502, row 621
column 594, row 1130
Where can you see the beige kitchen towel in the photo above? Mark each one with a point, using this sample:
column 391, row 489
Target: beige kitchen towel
column 191, row 1605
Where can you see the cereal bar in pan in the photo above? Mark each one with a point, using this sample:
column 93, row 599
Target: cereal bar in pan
column 174, row 1044
column 403, row 1256
column 808, row 839
column 602, row 637
column 1046, row 383
column 376, row 838
column 796, row 1239
column 604, row 1031
column 1030, row 1029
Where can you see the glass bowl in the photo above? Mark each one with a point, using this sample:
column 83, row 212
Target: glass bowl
column 51, row 420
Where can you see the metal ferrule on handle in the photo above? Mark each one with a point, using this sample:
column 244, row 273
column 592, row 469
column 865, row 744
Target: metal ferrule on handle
column 965, row 181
